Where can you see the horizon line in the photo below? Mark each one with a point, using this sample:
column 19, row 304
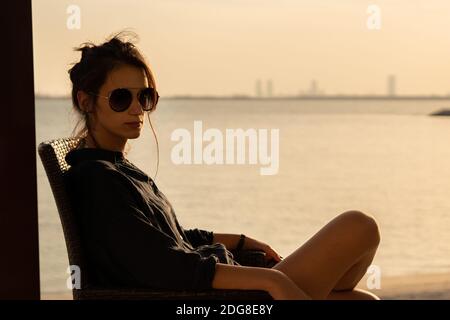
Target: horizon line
column 282, row 97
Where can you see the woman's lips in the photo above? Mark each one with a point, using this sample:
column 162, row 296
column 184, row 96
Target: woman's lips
column 134, row 124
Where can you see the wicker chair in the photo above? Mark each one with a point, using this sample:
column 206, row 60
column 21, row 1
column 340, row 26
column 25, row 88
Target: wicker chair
column 52, row 154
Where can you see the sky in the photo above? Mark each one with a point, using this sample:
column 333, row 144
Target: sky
column 212, row 47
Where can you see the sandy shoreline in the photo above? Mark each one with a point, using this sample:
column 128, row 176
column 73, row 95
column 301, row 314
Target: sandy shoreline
column 413, row 287
column 410, row 287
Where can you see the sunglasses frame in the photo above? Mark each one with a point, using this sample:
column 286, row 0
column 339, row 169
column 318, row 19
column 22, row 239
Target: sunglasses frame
column 132, row 95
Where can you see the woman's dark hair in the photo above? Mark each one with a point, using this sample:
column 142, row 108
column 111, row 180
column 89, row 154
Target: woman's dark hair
column 91, row 72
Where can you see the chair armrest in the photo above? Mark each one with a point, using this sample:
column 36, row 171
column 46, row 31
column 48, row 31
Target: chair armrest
column 148, row 294
column 255, row 258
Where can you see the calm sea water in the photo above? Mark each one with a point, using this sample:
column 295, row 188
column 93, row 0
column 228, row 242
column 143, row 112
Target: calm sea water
column 386, row 158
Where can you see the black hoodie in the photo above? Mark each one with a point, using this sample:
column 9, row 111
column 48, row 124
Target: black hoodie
column 129, row 229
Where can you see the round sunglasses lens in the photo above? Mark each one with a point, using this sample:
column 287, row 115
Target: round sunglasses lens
column 146, row 98
column 120, row 99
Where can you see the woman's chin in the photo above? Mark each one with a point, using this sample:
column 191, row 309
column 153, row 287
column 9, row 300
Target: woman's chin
column 134, row 135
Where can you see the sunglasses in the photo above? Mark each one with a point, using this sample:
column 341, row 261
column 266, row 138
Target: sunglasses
column 120, row 99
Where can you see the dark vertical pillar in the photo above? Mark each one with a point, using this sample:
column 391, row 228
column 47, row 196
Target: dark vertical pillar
column 19, row 247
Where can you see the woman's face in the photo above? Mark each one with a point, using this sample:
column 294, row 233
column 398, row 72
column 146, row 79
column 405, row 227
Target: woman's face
column 111, row 125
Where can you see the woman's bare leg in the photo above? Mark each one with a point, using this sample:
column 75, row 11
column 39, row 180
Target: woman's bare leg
column 352, row 277
column 345, row 288
column 335, row 256
column 355, row 294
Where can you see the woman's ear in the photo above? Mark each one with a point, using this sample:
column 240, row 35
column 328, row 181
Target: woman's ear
column 84, row 101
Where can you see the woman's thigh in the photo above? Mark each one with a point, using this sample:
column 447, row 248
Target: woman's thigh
column 320, row 262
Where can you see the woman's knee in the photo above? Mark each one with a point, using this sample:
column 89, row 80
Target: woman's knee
column 363, row 224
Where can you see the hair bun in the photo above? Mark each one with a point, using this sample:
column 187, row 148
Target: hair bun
column 86, row 50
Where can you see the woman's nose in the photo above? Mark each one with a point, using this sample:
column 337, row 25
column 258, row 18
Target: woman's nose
column 135, row 107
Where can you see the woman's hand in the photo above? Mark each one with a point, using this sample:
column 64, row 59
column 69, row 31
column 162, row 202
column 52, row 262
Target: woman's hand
column 253, row 244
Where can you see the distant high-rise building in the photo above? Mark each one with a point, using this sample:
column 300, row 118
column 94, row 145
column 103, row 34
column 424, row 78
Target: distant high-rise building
column 313, row 89
column 391, row 86
column 269, row 88
column 258, row 90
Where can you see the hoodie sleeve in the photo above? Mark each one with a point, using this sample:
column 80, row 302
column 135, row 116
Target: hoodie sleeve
column 198, row 237
column 118, row 229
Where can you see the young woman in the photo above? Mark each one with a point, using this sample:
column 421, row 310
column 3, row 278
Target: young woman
column 130, row 230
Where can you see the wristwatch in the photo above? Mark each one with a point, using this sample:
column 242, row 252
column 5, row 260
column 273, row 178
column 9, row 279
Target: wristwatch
column 240, row 244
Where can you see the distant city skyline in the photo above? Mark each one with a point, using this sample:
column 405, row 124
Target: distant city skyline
column 206, row 48
column 314, row 91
